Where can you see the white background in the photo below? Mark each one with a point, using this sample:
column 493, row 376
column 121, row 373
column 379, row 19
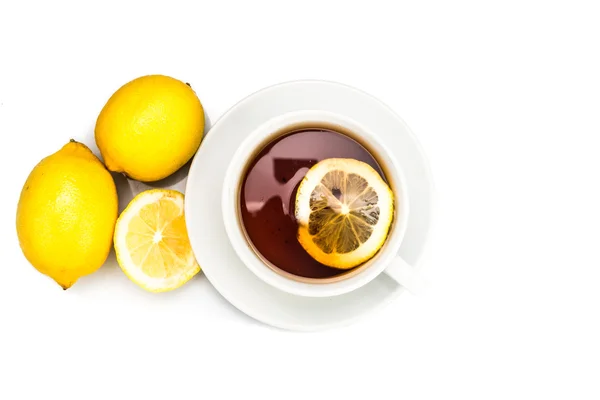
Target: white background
column 504, row 97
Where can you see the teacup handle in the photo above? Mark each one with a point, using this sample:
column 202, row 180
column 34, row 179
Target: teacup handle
column 404, row 274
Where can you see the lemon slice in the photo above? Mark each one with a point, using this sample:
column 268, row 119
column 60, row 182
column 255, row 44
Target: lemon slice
column 151, row 241
column 344, row 210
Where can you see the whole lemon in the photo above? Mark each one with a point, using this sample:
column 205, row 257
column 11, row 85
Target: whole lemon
column 66, row 214
column 150, row 127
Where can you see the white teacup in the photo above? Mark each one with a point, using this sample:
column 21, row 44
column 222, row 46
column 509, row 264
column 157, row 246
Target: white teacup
column 386, row 260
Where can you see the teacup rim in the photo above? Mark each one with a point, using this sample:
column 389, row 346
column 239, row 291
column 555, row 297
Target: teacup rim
column 262, row 135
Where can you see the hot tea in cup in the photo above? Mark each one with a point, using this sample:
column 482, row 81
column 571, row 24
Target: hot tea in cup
column 268, row 196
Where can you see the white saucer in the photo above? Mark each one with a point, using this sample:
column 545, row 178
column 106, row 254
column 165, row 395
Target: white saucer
column 203, row 205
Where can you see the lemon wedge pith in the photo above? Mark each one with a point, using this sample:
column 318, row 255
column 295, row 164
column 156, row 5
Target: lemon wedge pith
column 344, row 210
column 151, row 241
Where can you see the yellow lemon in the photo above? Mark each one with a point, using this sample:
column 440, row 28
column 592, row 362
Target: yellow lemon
column 151, row 241
column 150, row 127
column 66, row 214
column 344, row 210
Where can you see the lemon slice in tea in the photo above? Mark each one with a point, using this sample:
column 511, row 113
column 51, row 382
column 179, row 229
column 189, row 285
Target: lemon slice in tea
column 151, row 241
column 344, row 210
